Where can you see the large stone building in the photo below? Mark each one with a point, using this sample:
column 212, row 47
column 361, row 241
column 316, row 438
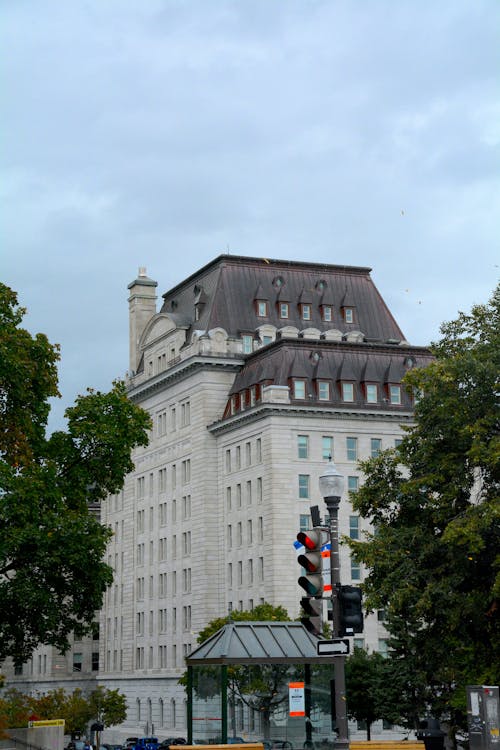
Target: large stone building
column 255, row 372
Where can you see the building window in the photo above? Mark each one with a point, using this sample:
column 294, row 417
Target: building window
column 354, row 527
column 323, row 390
column 348, row 315
column 258, row 450
column 395, row 394
column 299, row 389
column 249, row 532
column 375, row 447
column 397, row 442
column 261, row 308
column 371, row 393
column 228, row 461
column 355, row 571
column 304, row 486
column 327, row 313
column 327, row 448
column 238, row 495
column 283, row 309
column 348, row 392
column 228, row 498
column 304, row 522
column 247, row 344
column 352, row 484
column 238, row 457
column 306, row 312
column 249, row 492
column 352, row 448
column 77, row 662
column 302, row 446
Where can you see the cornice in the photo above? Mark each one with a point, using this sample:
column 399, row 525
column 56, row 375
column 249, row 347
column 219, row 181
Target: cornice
column 262, row 411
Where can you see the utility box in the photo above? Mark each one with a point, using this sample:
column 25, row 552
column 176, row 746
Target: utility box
column 483, row 717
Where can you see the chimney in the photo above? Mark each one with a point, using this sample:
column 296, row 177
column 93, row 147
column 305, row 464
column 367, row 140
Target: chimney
column 141, row 308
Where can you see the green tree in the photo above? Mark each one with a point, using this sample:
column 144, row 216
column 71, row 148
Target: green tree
column 108, row 706
column 433, row 560
column 364, row 675
column 73, row 707
column 52, row 574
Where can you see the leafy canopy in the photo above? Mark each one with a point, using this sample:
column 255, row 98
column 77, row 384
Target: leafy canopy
column 52, row 574
column 434, row 560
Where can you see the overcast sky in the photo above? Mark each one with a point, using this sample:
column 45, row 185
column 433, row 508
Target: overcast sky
column 161, row 133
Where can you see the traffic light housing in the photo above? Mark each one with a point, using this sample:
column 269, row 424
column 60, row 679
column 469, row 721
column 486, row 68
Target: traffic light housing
column 312, row 561
column 312, row 619
column 351, row 610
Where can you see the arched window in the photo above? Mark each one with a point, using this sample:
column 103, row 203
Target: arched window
column 138, row 706
column 173, row 718
column 162, row 715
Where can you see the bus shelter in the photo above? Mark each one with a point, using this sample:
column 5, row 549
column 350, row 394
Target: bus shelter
column 271, row 672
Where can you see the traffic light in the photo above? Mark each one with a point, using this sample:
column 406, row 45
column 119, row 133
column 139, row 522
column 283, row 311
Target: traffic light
column 311, row 561
column 351, row 611
column 312, row 609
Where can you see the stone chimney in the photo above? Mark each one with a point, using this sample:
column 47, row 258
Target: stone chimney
column 141, row 308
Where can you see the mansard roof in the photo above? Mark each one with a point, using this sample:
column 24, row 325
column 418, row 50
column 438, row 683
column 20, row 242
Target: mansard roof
column 229, row 285
column 285, row 360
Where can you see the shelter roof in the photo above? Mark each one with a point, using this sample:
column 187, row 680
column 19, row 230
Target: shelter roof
column 250, row 642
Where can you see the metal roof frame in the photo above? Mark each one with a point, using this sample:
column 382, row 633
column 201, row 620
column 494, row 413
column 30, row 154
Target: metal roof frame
column 251, row 642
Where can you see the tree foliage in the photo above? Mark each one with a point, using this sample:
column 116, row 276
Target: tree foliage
column 365, row 683
column 52, row 574
column 433, row 559
column 76, row 708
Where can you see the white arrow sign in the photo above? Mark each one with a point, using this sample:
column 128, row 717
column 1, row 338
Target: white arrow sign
column 337, row 647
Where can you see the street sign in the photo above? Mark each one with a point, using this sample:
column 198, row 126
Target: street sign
column 336, row 647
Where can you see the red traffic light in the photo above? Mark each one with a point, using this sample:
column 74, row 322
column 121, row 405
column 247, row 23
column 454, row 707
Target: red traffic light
column 310, row 539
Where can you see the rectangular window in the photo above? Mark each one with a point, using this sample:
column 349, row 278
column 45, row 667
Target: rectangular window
column 348, row 392
column 248, row 454
column 230, row 574
column 250, row 572
column 375, row 447
column 247, row 344
column 327, row 448
column 397, row 442
column 299, row 389
column 371, row 393
column 352, row 484
column 238, row 495
column 249, row 532
column 261, row 529
column 354, row 527
column 259, row 489
column 185, row 414
column 249, row 493
column 261, row 308
column 306, row 312
column 348, row 315
column 228, row 460
column 304, row 486
column 352, row 448
column 304, row 522
column 239, row 536
column 323, row 390
column 302, row 446
column 77, row 662
column 240, row 573
column 238, row 457
column 229, row 536
column 186, row 471
column 355, row 571
column 327, row 313
column 95, row 661
column 141, row 483
column 395, row 394
column 258, row 450
column 283, row 309
column 228, row 498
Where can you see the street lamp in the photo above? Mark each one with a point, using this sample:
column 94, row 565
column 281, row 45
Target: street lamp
column 331, row 486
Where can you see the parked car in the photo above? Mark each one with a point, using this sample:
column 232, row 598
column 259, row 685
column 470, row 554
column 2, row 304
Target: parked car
column 75, row 745
column 235, row 741
column 129, row 742
column 172, row 741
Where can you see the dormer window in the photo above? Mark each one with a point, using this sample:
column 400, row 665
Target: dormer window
column 349, row 314
column 261, row 308
column 347, row 392
column 323, row 390
column 371, row 393
column 395, row 395
column 283, row 309
column 327, row 313
column 247, row 344
column 305, row 311
column 299, row 389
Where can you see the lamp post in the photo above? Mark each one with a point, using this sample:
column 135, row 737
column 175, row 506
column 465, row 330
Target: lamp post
column 331, row 486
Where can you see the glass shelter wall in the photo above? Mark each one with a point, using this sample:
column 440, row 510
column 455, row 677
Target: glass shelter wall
column 286, row 706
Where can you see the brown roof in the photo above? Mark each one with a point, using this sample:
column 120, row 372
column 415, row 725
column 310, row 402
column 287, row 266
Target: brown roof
column 231, row 284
